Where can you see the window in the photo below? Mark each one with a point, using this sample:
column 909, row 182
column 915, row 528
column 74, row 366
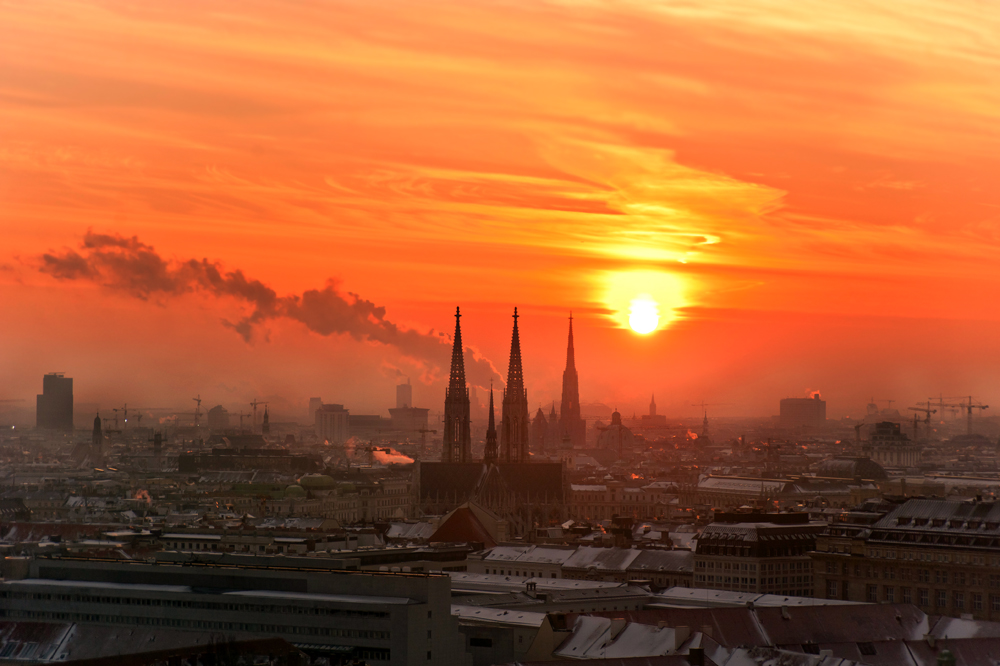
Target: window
column 958, row 600
column 889, row 593
column 977, row 602
column 923, row 596
column 831, row 590
column 872, row 594
column 995, row 602
column 942, row 599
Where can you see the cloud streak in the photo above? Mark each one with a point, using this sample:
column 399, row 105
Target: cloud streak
column 131, row 266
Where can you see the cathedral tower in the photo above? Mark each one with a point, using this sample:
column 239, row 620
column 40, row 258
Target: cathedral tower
column 570, row 423
column 457, row 445
column 515, row 422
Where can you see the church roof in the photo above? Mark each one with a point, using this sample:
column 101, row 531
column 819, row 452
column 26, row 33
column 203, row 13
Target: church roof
column 463, row 525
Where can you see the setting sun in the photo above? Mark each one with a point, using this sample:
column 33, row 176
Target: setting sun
column 643, row 316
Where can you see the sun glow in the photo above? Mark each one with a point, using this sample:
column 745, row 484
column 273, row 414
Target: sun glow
column 644, row 316
column 643, row 300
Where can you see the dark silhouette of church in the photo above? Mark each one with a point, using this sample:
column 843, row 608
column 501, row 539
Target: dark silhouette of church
column 506, row 482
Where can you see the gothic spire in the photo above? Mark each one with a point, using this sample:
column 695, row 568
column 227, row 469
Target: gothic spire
column 457, row 433
column 491, row 452
column 571, row 425
column 457, row 358
column 570, row 354
column 515, row 374
column 515, row 420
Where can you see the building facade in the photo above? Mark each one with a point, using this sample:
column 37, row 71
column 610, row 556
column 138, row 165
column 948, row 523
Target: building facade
column 940, row 555
column 757, row 552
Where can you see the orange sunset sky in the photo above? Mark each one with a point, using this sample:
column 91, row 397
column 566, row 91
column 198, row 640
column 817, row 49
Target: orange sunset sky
column 288, row 199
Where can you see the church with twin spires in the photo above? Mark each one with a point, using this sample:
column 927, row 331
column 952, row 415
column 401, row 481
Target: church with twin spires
column 505, row 482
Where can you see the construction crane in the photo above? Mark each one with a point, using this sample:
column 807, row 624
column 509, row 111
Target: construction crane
column 927, row 417
column 423, row 439
column 197, row 409
column 241, row 415
column 254, row 405
column 969, row 407
column 941, row 404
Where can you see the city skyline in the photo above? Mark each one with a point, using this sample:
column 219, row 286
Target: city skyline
column 803, row 191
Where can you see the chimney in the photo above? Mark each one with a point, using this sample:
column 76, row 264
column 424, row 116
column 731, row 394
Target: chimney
column 785, row 615
column 681, row 634
column 617, row 624
column 696, row 656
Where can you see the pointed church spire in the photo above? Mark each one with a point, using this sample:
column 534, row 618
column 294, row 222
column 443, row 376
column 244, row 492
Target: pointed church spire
column 570, row 423
column 457, row 357
column 491, row 453
column 515, row 374
column 457, row 433
column 570, row 353
column 515, row 420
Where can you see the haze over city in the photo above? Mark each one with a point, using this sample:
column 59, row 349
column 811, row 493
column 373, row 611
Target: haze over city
column 289, row 200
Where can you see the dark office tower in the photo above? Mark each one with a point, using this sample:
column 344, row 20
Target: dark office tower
column 457, row 446
column 569, row 414
column 97, row 438
column 54, row 407
column 265, row 427
column 515, row 423
column 491, row 453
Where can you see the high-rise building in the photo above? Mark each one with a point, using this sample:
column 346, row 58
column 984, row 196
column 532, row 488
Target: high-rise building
column 314, row 405
column 491, row 453
column 570, row 423
column 97, row 440
column 404, row 395
column 54, row 406
column 218, row 418
column 803, row 412
column 515, row 422
column 333, row 424
column 457, row 443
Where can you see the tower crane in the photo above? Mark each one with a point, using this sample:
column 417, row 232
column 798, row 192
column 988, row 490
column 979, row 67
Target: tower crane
column 941, row 404
column 254, row 406
column 197, row 409
column 241, row 415
column 969, row 407
column 927, row 416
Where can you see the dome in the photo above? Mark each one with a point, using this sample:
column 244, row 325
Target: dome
column 295, row 491
column 850, row 468
column 317, row 482
column 616, row 436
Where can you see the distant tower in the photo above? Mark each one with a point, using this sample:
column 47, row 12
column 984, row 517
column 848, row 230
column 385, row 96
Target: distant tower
column 704, row 427
column 54, row 405
column 569, row 412
column 97, row 438
column 515, row 422
column 457, row 433
column 492, row 452
column 265, row 426
column 404, row 395
column 652, row 405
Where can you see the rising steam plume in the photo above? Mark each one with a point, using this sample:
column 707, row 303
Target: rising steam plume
column 133, row 267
